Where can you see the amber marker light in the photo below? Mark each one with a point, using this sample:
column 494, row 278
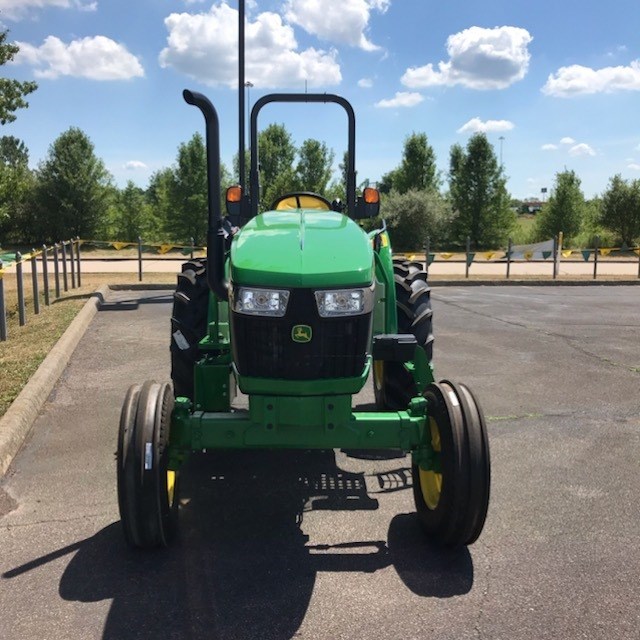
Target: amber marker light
column 234, row 194
column 371, row 195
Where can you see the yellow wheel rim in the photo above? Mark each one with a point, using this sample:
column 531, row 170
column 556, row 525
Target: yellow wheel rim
column 171, row 486
column 378, row 373
column 430, row 481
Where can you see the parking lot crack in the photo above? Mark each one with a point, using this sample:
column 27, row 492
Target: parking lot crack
column 36, row 523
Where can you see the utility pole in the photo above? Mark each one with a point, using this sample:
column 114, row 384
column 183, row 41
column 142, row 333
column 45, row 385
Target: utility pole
column 248, row 84
column 501, row 138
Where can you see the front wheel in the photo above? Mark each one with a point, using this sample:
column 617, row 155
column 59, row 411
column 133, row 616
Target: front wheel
column 451, row 493
column 147, row 488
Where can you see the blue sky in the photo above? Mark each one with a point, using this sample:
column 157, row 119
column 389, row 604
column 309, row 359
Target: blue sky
column 559, row 81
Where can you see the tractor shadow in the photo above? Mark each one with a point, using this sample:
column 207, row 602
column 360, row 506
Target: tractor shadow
column 243, row 567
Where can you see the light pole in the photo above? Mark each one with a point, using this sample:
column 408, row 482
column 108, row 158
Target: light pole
column 501, row 138
column 247, row 85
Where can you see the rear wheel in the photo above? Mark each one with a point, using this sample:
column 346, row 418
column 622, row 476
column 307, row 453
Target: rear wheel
column 452, row 499
column 188, row 324
column 147, row 489
column 393, row 384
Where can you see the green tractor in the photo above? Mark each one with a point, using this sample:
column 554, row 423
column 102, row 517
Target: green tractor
column 297, row 308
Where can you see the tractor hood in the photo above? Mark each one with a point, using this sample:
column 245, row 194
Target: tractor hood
column 302, row 248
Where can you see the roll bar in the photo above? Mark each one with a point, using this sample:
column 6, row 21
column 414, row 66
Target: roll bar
column 254, row 177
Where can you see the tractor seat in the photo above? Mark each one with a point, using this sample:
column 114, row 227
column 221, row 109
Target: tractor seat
column 301, row 200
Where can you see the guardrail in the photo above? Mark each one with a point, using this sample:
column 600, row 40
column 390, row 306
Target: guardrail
column 554, row 254
column 67, row 273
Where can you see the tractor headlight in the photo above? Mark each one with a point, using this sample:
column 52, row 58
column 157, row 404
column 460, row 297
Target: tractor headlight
column 344, row 302
column 261, row 302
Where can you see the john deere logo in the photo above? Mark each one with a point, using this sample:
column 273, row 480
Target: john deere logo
column 301, row 333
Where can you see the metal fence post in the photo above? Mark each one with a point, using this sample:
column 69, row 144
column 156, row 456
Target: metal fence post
column 22, row 314
column 56, row 270
column 466, row 270
column 3, row 309
column 555, row 256
column 139, row 258
column 559, row 244
column 72, row 261
column 65, row 281
column 45, row 274
column 78, row 260
column 426, row 255
column 595, row 257
column 34, row 282
column 509, row 258
column 192, row 247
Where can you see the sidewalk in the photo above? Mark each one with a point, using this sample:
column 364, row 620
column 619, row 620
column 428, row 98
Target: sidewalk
column 494, row 270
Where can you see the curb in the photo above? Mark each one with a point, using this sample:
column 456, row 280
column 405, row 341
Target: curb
column 141, row 286
column 19, row 418
column 532, row 283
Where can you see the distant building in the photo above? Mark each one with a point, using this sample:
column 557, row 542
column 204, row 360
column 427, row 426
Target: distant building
column 531, row 206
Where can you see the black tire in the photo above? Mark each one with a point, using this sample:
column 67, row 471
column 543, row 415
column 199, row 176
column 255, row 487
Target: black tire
column 393, row 384
column 147, row 490
column 188, row 324
column 452, row 505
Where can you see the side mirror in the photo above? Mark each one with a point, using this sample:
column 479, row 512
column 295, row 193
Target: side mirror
column 368, row 204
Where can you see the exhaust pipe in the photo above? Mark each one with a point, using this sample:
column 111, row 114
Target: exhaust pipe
column 215, row 232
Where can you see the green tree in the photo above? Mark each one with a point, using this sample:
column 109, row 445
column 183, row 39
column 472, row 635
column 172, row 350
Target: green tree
column 158, row 195
column 414, row 215
column 12, row 92
column 479, row 195
column 187, row 194
column 337, row 190
column 387, row 182
column 72, row 189
column 277, row 153
column 131, row 215
column 565, row 210
column 13, row 152
column 417, row 169
column 620, row 209
column 16, row 190
column 314, row 168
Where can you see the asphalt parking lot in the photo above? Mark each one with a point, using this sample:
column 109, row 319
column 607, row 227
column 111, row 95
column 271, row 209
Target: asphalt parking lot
column 322, row 545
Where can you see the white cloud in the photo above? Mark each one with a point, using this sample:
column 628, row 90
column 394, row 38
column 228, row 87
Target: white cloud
column 365, row 83
column 134, row 165
column 95, row 58
column 581, row 149
column 401, row 99
column 634, row 166
column 476, row 125
column 549, row 147
column 17, row 9
column 337, row 21
column 204, row 46
column 567, row 140
column 479, row 59
column 578, row 80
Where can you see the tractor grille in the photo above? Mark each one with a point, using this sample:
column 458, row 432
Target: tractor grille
column 263, row 347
